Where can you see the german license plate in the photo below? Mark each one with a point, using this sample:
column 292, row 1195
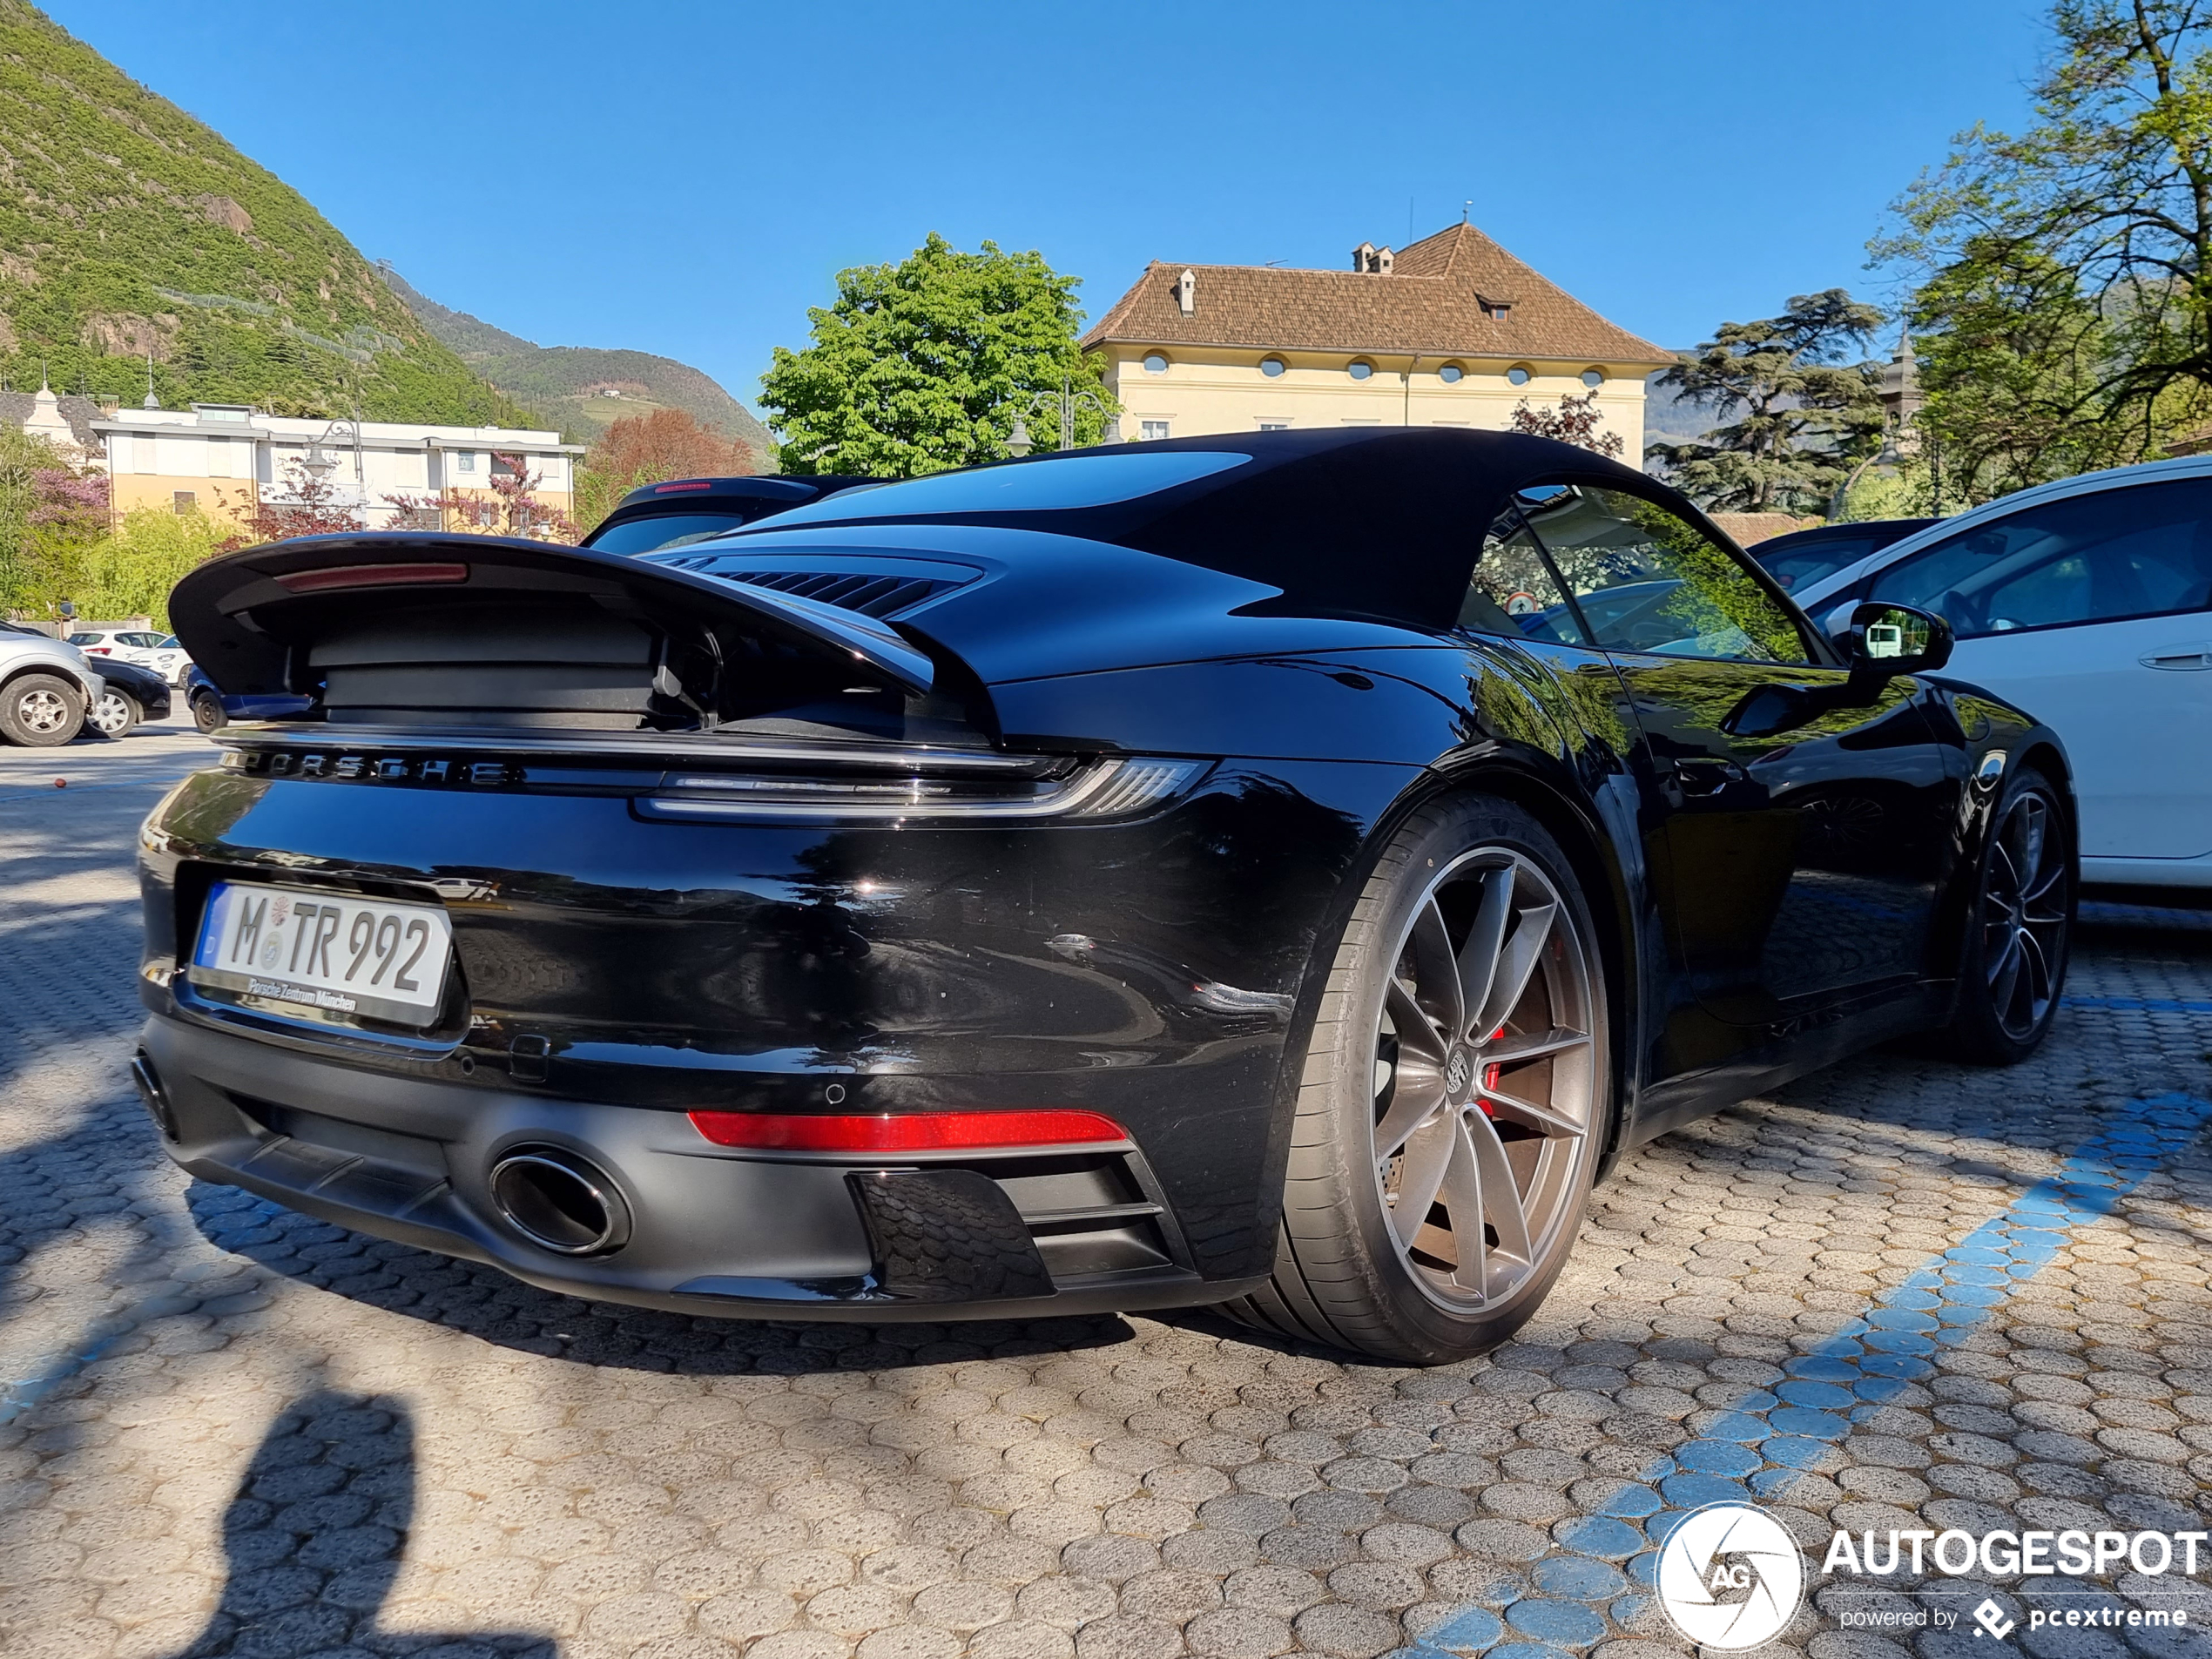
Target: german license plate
column 327, row 955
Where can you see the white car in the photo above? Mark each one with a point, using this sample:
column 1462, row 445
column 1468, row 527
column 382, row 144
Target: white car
column 2090, row 603
column 144, row 646
column 47, row 688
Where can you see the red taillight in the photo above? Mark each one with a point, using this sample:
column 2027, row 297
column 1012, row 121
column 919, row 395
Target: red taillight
column 906, row 1131
column 670, row 489
column 370, row 576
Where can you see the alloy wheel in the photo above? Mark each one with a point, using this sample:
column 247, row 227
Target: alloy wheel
column 110, row 715
column 42, row 711
column 2024, row 915
column 1484, row 1079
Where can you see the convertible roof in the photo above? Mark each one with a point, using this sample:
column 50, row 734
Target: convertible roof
column 1378, row 521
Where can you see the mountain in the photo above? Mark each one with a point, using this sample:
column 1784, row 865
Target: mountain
column 586, row 388
column 130, row 230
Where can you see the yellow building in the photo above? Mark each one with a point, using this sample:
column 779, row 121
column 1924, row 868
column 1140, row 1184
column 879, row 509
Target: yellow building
column 225, row 459
column 1452, row 330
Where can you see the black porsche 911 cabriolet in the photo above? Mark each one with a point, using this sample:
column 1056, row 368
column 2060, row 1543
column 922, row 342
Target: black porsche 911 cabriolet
column 1279, row 871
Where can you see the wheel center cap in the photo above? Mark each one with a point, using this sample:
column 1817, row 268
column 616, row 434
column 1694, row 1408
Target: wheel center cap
column 1459, row 1071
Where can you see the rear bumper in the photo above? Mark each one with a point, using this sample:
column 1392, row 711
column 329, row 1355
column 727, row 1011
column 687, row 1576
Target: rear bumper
column 712, row 1232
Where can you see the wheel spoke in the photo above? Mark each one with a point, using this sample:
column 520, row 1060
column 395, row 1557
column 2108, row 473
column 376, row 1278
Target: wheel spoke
column 2001, row 854
column 1437, row 970
column 1509, row 1050
column 1463, row 1197
column 1419, row 1174
column 1420, row 1097
column 2037, row 967
column 1515, row 963
column 1417, row 1033
column 1514, row 1109
column 1477, row 959
column 2005, row 976
column 1502, row 1207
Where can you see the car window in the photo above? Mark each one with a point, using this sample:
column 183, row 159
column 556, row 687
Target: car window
column 2142, row 551
column 142, row 640
column 669, row 529
column 1800, row 567
column 86, row 639
column 1647, row 580
column 169, row 643
column 1512, row 591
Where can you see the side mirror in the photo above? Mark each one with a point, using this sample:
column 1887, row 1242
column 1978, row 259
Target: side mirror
column 1887, row 640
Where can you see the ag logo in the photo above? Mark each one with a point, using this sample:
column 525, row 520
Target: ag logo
column 1730, row 1577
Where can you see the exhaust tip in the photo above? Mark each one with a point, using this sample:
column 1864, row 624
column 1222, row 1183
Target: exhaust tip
column 155, row 1098
column 560, row 1201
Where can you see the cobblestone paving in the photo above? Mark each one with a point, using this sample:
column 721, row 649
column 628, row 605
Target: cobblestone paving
column 232, row 1430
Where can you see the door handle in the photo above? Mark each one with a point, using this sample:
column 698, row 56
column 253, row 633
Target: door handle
column 1707, row 776
column 2195, row 656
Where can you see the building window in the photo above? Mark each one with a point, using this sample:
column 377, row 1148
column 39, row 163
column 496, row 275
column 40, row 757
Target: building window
column 1450, row 374
column 185, row 501
column 1274, row 426
column 1519, row 375
column 1594, row 378
column 1271, row 366
column 464, row 460
column 1496, row 310
column 1360, row 369
column 1147, row 430
column 1156, row 362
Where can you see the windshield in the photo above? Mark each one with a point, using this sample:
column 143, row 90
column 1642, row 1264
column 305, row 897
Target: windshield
column 1800, row 567
column 667, row 530
column 1032, row 487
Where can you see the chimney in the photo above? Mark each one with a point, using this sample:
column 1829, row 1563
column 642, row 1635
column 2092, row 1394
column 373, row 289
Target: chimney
column 1362, row 258
column 1186, row 293
column 1384, row 259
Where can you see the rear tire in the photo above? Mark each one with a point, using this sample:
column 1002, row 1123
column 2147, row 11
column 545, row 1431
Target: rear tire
column 207, row 711
column 116, row 715
column 1460, row 1062
column 2019, row 931
column 41, row 710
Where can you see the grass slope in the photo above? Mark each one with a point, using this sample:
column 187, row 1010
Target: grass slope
column 570, row 382
column 129, row 228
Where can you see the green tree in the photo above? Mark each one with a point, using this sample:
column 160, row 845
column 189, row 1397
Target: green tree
column 2062, row 273
column 921, row 365
column 130, row 572
column 1797, row 414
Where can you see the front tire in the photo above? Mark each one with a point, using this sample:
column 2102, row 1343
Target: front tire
column 2019, row 933
column 1456, row 1088
column 116, row 715
column 41, row 710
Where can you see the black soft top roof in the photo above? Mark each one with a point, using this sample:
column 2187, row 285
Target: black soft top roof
column 1382, row 522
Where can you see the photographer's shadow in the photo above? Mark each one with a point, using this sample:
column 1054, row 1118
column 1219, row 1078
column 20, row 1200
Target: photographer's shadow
column 312, row 1542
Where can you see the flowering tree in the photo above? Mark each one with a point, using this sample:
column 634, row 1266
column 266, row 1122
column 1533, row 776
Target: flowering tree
column 1575, row 421
column 49, row 516
column 314, row 510
column 510, row 509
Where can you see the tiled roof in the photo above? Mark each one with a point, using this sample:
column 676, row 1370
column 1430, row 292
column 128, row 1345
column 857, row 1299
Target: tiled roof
column 1431, row 303
column 79, row 412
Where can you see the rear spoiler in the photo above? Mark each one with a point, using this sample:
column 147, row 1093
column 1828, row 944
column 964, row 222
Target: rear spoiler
column 235, row 614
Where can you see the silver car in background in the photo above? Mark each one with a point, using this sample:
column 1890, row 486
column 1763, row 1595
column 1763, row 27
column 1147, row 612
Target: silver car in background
column 46, row 688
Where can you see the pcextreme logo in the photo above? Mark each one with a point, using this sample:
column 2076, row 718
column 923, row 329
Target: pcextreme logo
column 1730, row 1577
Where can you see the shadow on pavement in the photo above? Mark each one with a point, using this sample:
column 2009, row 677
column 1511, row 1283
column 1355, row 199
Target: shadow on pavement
column 312, row 1542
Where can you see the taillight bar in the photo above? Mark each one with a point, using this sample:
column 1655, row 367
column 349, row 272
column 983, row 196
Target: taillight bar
column 369, row 576
column 908, row 1131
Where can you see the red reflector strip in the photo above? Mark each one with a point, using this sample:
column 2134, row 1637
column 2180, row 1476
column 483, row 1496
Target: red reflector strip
column 370, row 576
column 905, row 1131
column 670, row 490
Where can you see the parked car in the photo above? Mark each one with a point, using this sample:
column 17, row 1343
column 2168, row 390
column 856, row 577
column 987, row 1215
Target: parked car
column 129, row 694
column 2091, row 601
column 46, row 687
column 1802, row 558
column 686, row 510
column 149, row 648
column 212, row 710
column 1162, row 875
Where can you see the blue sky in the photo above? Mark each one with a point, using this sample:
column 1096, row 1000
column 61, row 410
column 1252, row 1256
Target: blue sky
column 688, row 178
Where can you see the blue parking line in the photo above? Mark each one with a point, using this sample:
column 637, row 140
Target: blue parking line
column 1766, row 1439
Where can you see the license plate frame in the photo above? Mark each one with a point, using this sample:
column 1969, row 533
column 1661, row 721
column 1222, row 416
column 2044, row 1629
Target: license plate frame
column 335, row 931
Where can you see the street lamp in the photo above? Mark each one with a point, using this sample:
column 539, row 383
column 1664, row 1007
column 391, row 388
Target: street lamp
column 1066, row 401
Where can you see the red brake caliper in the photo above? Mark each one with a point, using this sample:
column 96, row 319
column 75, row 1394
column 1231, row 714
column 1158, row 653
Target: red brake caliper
column 1490, row 1075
